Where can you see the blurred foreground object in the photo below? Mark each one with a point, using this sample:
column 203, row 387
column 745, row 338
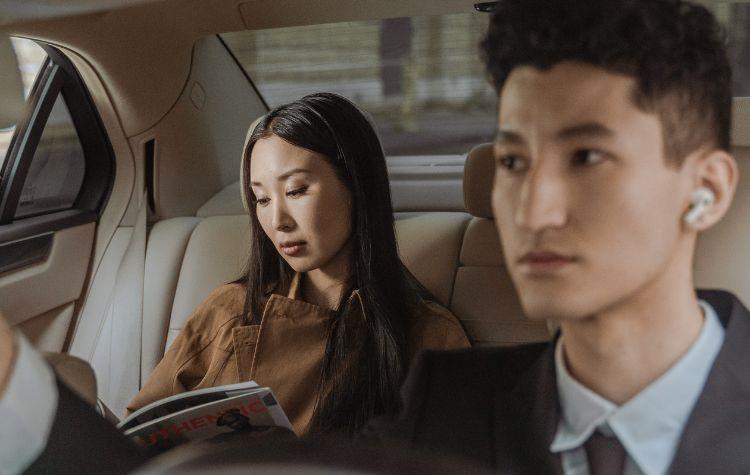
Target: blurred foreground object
column 264, row 453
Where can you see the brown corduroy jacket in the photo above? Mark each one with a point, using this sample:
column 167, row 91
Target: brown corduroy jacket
column 285, row 352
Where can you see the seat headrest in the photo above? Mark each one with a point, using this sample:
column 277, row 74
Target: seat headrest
column 479, row 173
column 243, row 179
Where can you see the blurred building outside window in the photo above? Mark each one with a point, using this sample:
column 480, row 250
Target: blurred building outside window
column 420, row 78
column 30, row 60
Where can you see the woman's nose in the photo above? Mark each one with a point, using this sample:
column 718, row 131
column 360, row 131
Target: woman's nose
column 282, row 220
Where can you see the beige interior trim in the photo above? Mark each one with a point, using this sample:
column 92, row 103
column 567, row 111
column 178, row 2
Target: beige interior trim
column 47, row 332
column 199, row 142
column 125, row 173
column 109, row 335
column 131, row 46
column 58, row 280
column 98, row 299
column 227, row 202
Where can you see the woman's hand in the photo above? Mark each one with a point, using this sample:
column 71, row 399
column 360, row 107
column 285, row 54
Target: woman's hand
column 8, row 349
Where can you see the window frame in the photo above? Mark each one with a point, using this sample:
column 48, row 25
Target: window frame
column 58, row 77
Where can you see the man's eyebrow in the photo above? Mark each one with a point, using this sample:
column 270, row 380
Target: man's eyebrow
column 587, row 129
column 508, row 137
column 284, row 176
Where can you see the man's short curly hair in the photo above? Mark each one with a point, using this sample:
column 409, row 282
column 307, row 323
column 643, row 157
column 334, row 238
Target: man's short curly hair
column 675, row 50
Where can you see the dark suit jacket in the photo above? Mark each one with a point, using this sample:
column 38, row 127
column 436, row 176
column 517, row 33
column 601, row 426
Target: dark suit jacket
column 82, row 442
column 498, row 406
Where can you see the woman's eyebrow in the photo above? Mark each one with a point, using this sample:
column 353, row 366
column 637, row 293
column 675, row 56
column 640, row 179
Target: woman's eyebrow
column 284, row 176
column 294, row 171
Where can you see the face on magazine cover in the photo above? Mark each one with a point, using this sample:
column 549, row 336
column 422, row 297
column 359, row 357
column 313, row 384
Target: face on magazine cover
column 234, row 420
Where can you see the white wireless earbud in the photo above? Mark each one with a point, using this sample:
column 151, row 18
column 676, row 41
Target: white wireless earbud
column 702, row 199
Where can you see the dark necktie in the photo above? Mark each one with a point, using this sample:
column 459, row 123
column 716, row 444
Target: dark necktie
column 606, row 455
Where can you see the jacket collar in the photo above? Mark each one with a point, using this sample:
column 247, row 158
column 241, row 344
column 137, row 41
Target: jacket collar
column 295, row 291
column 530, row 417
column 719, row 419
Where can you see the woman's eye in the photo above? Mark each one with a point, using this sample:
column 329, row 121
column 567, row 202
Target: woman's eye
column 262, row 201
column 588, row 157
column 513, row 163
column 297, row 191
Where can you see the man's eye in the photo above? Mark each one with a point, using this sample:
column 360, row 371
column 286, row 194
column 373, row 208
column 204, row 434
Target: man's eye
column 297, row 191
column 588, row 157
column 513, row 163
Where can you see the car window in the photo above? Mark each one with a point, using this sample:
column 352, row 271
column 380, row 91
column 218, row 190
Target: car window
column 735, row 16
column 57, row 169
column 420, row 78
column 59, row 158
column 31, row 57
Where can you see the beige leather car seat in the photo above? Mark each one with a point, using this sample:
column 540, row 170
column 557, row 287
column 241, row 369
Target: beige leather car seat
column 483, row 296
column 722, row 259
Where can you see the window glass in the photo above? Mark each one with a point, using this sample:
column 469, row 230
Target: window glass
column 57, row 169
column 420, row 78
column 30, row 60
column 735, row 17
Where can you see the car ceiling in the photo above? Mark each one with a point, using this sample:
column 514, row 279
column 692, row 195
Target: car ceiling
column 142, row 49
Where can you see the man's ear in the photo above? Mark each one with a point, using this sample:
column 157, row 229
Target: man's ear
column 717, row 171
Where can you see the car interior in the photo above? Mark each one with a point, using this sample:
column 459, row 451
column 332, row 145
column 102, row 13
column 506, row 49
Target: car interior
column 120, row 204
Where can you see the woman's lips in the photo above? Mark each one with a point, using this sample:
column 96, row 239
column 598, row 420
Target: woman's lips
column 541, row 263
column 292, row 248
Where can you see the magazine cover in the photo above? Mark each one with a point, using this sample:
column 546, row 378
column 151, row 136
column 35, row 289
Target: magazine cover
column 178, row 402
column 256, row 411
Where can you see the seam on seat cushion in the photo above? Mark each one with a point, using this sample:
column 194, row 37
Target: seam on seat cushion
column 165, row 252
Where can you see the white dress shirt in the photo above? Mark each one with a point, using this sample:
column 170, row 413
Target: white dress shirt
column 27, row 410
column 649, row 426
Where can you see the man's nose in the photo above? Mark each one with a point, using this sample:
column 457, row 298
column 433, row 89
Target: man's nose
column 543, row 202
column 282, row 220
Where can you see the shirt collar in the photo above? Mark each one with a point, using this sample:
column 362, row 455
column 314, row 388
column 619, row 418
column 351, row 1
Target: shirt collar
column 650, row 425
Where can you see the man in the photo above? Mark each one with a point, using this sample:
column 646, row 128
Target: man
column 612, row 154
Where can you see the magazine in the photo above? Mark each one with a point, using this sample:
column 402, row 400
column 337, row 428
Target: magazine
column 204, row 413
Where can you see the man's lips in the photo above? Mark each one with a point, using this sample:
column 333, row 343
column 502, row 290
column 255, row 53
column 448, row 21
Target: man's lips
column 291, row 248
column 544, row 262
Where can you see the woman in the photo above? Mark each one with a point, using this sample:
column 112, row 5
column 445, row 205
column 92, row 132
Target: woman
column 326, row 315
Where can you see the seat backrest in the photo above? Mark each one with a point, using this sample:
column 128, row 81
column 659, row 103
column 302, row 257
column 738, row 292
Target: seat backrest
column 186, row 259
column 483, row 295
column 722, row 258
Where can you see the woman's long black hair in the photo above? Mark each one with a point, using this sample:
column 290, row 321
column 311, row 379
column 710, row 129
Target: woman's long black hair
column 365, row 359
